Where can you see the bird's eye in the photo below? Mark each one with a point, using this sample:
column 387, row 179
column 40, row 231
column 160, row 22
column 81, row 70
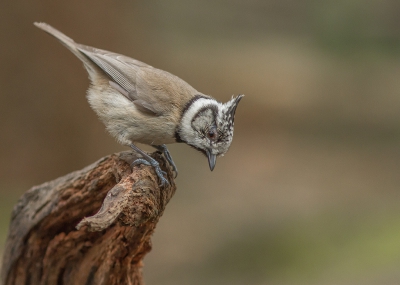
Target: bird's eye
column 212, row 134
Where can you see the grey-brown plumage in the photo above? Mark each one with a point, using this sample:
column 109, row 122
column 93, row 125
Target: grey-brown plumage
column 140, row 103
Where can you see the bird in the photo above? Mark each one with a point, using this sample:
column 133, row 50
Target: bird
column 139, row 103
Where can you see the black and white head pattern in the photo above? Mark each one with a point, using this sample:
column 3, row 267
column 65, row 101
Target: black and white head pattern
column 207, row 125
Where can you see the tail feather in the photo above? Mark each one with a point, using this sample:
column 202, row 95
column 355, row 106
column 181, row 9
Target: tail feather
column 67, row 42
column 54, row 32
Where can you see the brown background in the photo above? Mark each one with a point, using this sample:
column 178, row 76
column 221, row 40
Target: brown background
column 309, row 191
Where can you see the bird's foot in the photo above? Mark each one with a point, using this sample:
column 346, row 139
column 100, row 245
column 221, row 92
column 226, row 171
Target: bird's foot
column 148, row 160
column 163, row 148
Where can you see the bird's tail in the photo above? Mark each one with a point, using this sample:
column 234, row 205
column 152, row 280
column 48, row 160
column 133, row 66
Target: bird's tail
column 67, row 42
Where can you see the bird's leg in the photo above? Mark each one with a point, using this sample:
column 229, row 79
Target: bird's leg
column 148, row 160
column 163, row 148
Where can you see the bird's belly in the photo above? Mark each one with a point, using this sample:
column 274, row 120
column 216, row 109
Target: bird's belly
column 153, row 131
column 152, row 136
column 128, row 124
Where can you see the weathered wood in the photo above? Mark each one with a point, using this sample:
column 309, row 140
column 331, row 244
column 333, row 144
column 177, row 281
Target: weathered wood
column 56, row 237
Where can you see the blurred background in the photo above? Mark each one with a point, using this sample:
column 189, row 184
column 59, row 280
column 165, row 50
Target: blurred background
column 309, row 192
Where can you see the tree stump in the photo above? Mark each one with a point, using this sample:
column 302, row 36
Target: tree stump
column 91, row 226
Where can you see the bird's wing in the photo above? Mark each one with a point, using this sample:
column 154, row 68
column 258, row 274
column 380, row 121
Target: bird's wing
column 123, row 72
column 149, row 88
column 152, row 90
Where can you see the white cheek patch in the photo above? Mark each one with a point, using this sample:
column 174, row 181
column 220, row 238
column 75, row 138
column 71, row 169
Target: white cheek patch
column 187, row 132
column 205, row 118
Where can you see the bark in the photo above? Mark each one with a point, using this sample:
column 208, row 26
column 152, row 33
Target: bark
column 91, row 226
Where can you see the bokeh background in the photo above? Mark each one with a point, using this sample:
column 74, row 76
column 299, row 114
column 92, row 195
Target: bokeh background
column 309, row 191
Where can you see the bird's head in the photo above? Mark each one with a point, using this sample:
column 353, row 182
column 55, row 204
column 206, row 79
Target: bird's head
column 207, row 125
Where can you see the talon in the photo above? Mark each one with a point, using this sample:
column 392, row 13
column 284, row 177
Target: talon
column 148, row 160
column 163, row 148
column 164, row 182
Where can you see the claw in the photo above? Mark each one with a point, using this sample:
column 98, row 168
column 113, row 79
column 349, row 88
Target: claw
column 148, row 160
column 163, row 148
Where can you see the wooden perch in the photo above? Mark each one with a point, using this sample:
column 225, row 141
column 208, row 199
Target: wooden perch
column 89, row 227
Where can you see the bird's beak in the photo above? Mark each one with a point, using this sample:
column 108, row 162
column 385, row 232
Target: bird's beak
column 212, row 159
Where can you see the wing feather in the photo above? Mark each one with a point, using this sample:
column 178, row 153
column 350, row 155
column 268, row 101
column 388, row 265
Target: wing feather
column 152, row 90
column 123, row 74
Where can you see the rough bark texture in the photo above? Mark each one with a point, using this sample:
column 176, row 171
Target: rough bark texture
column 91, row 226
